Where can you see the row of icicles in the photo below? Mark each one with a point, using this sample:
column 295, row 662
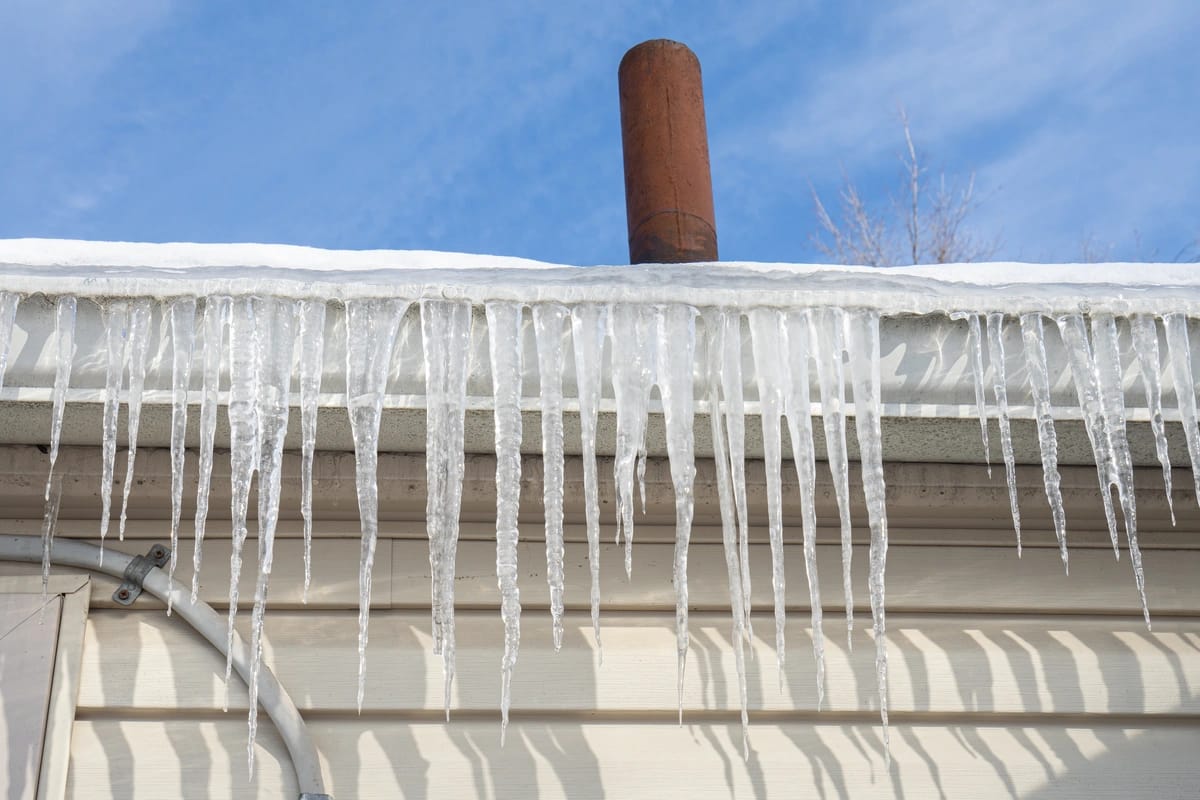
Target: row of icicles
column 266, row 341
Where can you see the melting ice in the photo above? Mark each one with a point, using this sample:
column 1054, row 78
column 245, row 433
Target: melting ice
column 272, row 350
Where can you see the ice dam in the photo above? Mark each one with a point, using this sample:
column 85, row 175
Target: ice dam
column 265, row 336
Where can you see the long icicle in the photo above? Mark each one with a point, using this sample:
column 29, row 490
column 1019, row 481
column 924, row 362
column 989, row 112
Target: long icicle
column 276, row 348
column 677, row 324
column 548, row 321
column 735, row 425
column 716, row 330
column 827, row 332
column 243, row 446
column 588, row 325
column 371, row 328
column 214, row 322
column 182, row 314
column 504, row 347
column 312, row 366
column 1109, row 374
column 115, row 316
column 863, row 342
column 975, row 362
column 798, row 406
column 632, row 381
column 1033, row 338
column 64, row 336
column 446, row 341
column 1083, row 372
column 49, row 526
column 767, row 338
column 995, row 334
column 1179, row 353
column 139, row 340
column 1145, row 345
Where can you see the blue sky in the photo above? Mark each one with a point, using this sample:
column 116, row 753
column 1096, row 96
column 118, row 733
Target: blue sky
column 465, row 126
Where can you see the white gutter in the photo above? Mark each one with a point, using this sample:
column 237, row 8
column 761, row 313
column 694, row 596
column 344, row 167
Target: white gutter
column 927, row 386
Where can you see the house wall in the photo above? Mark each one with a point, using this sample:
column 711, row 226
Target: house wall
column 1007, row 678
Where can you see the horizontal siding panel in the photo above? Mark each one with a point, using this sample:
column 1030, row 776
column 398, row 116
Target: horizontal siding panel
column 952, row 665
column 334, row 584
column 920, row 496
column 377, row 757
column 990, row 579
column 919, row 579
column 961, row 534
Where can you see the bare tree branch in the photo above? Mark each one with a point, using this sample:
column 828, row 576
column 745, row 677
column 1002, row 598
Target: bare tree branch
column 932, row 221
column 913, row 168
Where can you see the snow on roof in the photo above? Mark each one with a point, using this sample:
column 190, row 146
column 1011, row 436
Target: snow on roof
column 189, row 255
column 107, row 269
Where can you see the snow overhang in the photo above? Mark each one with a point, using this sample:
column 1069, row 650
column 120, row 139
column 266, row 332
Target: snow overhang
column 928, row 388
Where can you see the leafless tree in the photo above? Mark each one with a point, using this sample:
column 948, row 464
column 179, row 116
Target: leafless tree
column 1092, row 251
column 925, row 223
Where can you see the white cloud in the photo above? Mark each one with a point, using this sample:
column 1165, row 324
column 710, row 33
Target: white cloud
column 1057, row 107
column 957, row 66
column 55, row 50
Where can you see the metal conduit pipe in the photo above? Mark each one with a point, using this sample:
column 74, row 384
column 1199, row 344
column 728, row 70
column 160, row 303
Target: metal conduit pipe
column 201, row 616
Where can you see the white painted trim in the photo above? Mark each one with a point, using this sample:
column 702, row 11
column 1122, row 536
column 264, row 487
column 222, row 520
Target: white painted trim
column 76, row 593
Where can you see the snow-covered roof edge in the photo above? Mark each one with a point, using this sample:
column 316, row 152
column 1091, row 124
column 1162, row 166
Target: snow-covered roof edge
column 119, row 269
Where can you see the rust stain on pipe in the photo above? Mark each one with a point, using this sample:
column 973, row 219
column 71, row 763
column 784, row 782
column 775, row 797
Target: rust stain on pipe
column 668, row 185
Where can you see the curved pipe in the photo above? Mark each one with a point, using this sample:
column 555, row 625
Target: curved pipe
column 201, row 616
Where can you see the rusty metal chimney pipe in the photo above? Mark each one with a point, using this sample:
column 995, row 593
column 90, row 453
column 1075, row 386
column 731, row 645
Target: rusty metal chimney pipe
column 668, row 186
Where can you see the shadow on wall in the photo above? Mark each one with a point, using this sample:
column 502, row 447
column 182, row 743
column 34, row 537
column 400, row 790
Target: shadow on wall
column 983, row 704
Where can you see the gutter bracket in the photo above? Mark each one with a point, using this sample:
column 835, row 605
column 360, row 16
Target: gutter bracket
column 131, row 587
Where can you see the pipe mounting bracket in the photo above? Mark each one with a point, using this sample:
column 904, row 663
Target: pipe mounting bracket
column 131, row 587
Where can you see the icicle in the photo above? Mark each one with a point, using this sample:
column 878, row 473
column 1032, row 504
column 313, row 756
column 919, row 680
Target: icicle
column 548, row 329
column 863, row 341
column 1033, row 337
column 767, row 336
column 1179, row 352
column 827, row 326
column 975, row 360
column 371, row 327
column 677, row 324
column 633, row 362
column 49, row 525
column 139, row 340
column 641, row 479
column 504, row 347
column 1145, row 346
column 216, row 317
column 730, row 371
column 716, row 330
column 8, row 313
column 243, row 444
column 183, row 334
column 64, row 334
column 798, row 406
column 1112, row 404
column 446, row 336
column 312, row 363
column 276, row 346
column 588, row 324
column 1083, row 371
column 995, row 332
column 116, row 338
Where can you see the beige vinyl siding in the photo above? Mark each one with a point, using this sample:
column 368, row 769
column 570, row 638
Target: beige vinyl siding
column 1007, row 678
